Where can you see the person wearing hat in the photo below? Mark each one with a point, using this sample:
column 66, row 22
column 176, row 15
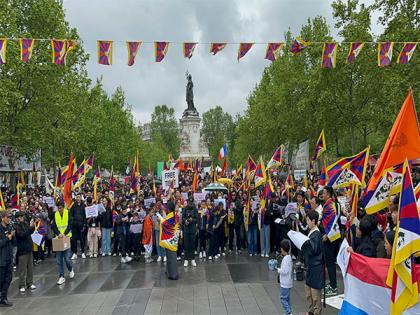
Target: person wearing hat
column 24, row 251
column 7, row 235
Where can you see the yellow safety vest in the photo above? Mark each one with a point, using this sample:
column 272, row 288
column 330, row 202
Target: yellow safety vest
column 62, row 221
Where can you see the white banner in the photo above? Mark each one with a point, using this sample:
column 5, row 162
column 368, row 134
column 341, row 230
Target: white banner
column 148, row 202
column 91, row 211
column 300, row 158
column 199, row 197
column 168, row 177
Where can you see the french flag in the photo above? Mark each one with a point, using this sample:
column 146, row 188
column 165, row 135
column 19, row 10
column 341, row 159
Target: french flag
column 365, row 289
column 223, row 152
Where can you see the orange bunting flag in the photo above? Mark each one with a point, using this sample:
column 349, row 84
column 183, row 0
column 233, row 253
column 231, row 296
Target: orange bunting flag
column 385, row 54
column 273, row 51
column 3, row 45
column 243, row 49
column 161, row 48
column 406, row 53
column 26, row 48
column 298, row 45
column 355, row 49
column 216, row 47
column 189, row 49
column 329, row 55
column 105, row 52
column 132, row 49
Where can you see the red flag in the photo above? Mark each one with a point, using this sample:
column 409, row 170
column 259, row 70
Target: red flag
column 189, row 49
column 216, row 47
column 68, row 183
column 243, row 49
column 161, row 48
column 132, row 49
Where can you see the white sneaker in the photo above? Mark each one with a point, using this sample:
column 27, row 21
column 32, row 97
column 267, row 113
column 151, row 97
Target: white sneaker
column 193, row 263
column 123, row 261
column 61, row 280
column 185, row 263
column 262, row 255
column 103, row 254
column 200, row 255
column 71, row 274
column 74, row 257
column 224, row 254
column 109, row 254
column 32, row 287
column 164, row 259
column 266, row 256
column 159, row 259
column 178, row 258
column 204, row 254
column 95, row 255
column 210, row 258
column 91, row 256
column 132, row 254
column 22, row 290
column 128, row 259
column 83, row 256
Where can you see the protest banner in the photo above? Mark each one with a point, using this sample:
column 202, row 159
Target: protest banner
column 168, row 177
column 220, row 200
column 198, row 197
column 49, row 201
column 91, row 211
column 148, row 202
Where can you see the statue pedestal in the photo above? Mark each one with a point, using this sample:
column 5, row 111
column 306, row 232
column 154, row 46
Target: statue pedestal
column 192, row 145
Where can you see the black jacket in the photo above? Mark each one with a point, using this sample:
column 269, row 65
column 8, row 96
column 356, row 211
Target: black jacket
column 6, row 248
column 77, row 212
column 122, row 227
column 190, row 213
column 313, row 253
column 23, row 238
column 106, row 218
column 366, row 247
column 238, row 211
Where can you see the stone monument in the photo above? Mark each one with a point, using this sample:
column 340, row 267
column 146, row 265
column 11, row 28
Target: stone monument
column 192, row 144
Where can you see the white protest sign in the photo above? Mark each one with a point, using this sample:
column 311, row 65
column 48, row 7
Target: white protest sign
column 184, row 195
column 297, row 238
column 299, row 174
column 291, row 207
column 168, row 177
column 199, row 197
column 300, row 158
column 91, row 211
column 36, row 238
column 148, row 202
column 49, row 201
column 221, row 200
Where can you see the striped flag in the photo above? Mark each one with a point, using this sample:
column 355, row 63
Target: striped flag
column 105, row 52
column 132, row 49
column 354, row 51
column 406, row 53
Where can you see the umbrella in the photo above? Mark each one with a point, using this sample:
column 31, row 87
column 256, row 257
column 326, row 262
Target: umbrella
column 215, row 187
column 225, row 181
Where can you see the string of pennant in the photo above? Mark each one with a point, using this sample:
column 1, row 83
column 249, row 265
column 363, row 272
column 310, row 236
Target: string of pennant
column 62, row 47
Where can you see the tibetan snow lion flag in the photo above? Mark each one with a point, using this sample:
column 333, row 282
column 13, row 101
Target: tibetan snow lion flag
column 243, row 49
column 105, row 52
column 132, row 49
column 329, row 220
column 216, row 47
column 320, row 146
column 60, row 50
column 3, row 46
column 329, row 55
column 354, row 51
column 273, row 51
column 169, row 232
column 161, row 48
column 298, row 45
column 189, row 49
column 26, row 49
column 385, row 54
column 406, row 53
column 276, row 159
column 260, row 174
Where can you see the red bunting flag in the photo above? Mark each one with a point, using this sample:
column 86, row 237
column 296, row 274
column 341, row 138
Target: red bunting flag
column 132, row 49
column 26, row 48
column 298, row 45
column 161, row 48
column 406, row 53
column 189, row 49
column 385, row 54
column 354, row 51
column 329, row 55
column 105, row 52
column 273, row 51
column 243, row 49
column 3, row 45
column 216, row 47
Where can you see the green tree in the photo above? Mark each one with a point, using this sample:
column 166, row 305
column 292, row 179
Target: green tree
column 164, row 126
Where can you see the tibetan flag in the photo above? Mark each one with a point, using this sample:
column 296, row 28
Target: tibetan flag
column 105, row 52
column 260, row 174
column 323, row 177
column 112, row 186
column 349, row 170
column 161, row 48
column 329, row 55
column 189, row 49
column 329, row 221
column 216, row 47
column 298, row 45
column 273, row 51
column 290, row 182
column 68, row 183
column 26, row 49
column 96, row 180
column 89, row 164
column 2, row 204
column 71, row 45
column 80, row 175
column 385, row 54
column 401, row 277
column 406, row 53
column 354, row 51
column 169, row 232
column 250, row 167
column 59, row 51
column 223, row 152
column 403, row 143
column 3, row 46
column 320, row 147
column 243, row 49
column 132, row 49
column 276, row 159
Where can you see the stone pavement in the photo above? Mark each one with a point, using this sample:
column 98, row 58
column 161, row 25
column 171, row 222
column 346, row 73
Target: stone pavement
column 231, row 285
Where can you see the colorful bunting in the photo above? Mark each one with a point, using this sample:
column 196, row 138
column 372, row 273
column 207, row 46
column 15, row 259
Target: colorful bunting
column 161, row 48
column 189, row 49
column 105, row 52
column 243, row 49
column 385, row 54
column 273, row 51
column 132, row 49
column 329, row 55
column 26, row 48
column 298, row 45
column 406, row 53
column 355, row 49
column 3, row 46
column 216, row 47
column 60, row 49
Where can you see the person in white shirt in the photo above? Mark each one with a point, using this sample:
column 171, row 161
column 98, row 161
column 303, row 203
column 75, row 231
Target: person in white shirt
column 286, row 280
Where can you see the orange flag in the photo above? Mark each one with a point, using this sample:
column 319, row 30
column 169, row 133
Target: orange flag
column 68, row 183
column 403, row 142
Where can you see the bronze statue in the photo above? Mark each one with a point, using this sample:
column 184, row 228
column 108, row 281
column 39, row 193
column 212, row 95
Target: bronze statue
column 191, row 110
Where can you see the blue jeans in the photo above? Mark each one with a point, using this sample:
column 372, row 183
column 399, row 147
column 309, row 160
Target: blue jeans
column 265, row 239
column 285, row 300
column 252, row 239
column 62, row 257
column 160, row 250
column 106, row 240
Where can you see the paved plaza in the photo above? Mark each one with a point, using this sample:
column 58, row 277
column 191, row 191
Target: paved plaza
column 231, row 285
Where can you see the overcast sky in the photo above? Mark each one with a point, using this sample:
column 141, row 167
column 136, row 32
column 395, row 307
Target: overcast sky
column 218, row 80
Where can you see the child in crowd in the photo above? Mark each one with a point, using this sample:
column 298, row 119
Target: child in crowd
column 286, row 280
column 135, row 230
